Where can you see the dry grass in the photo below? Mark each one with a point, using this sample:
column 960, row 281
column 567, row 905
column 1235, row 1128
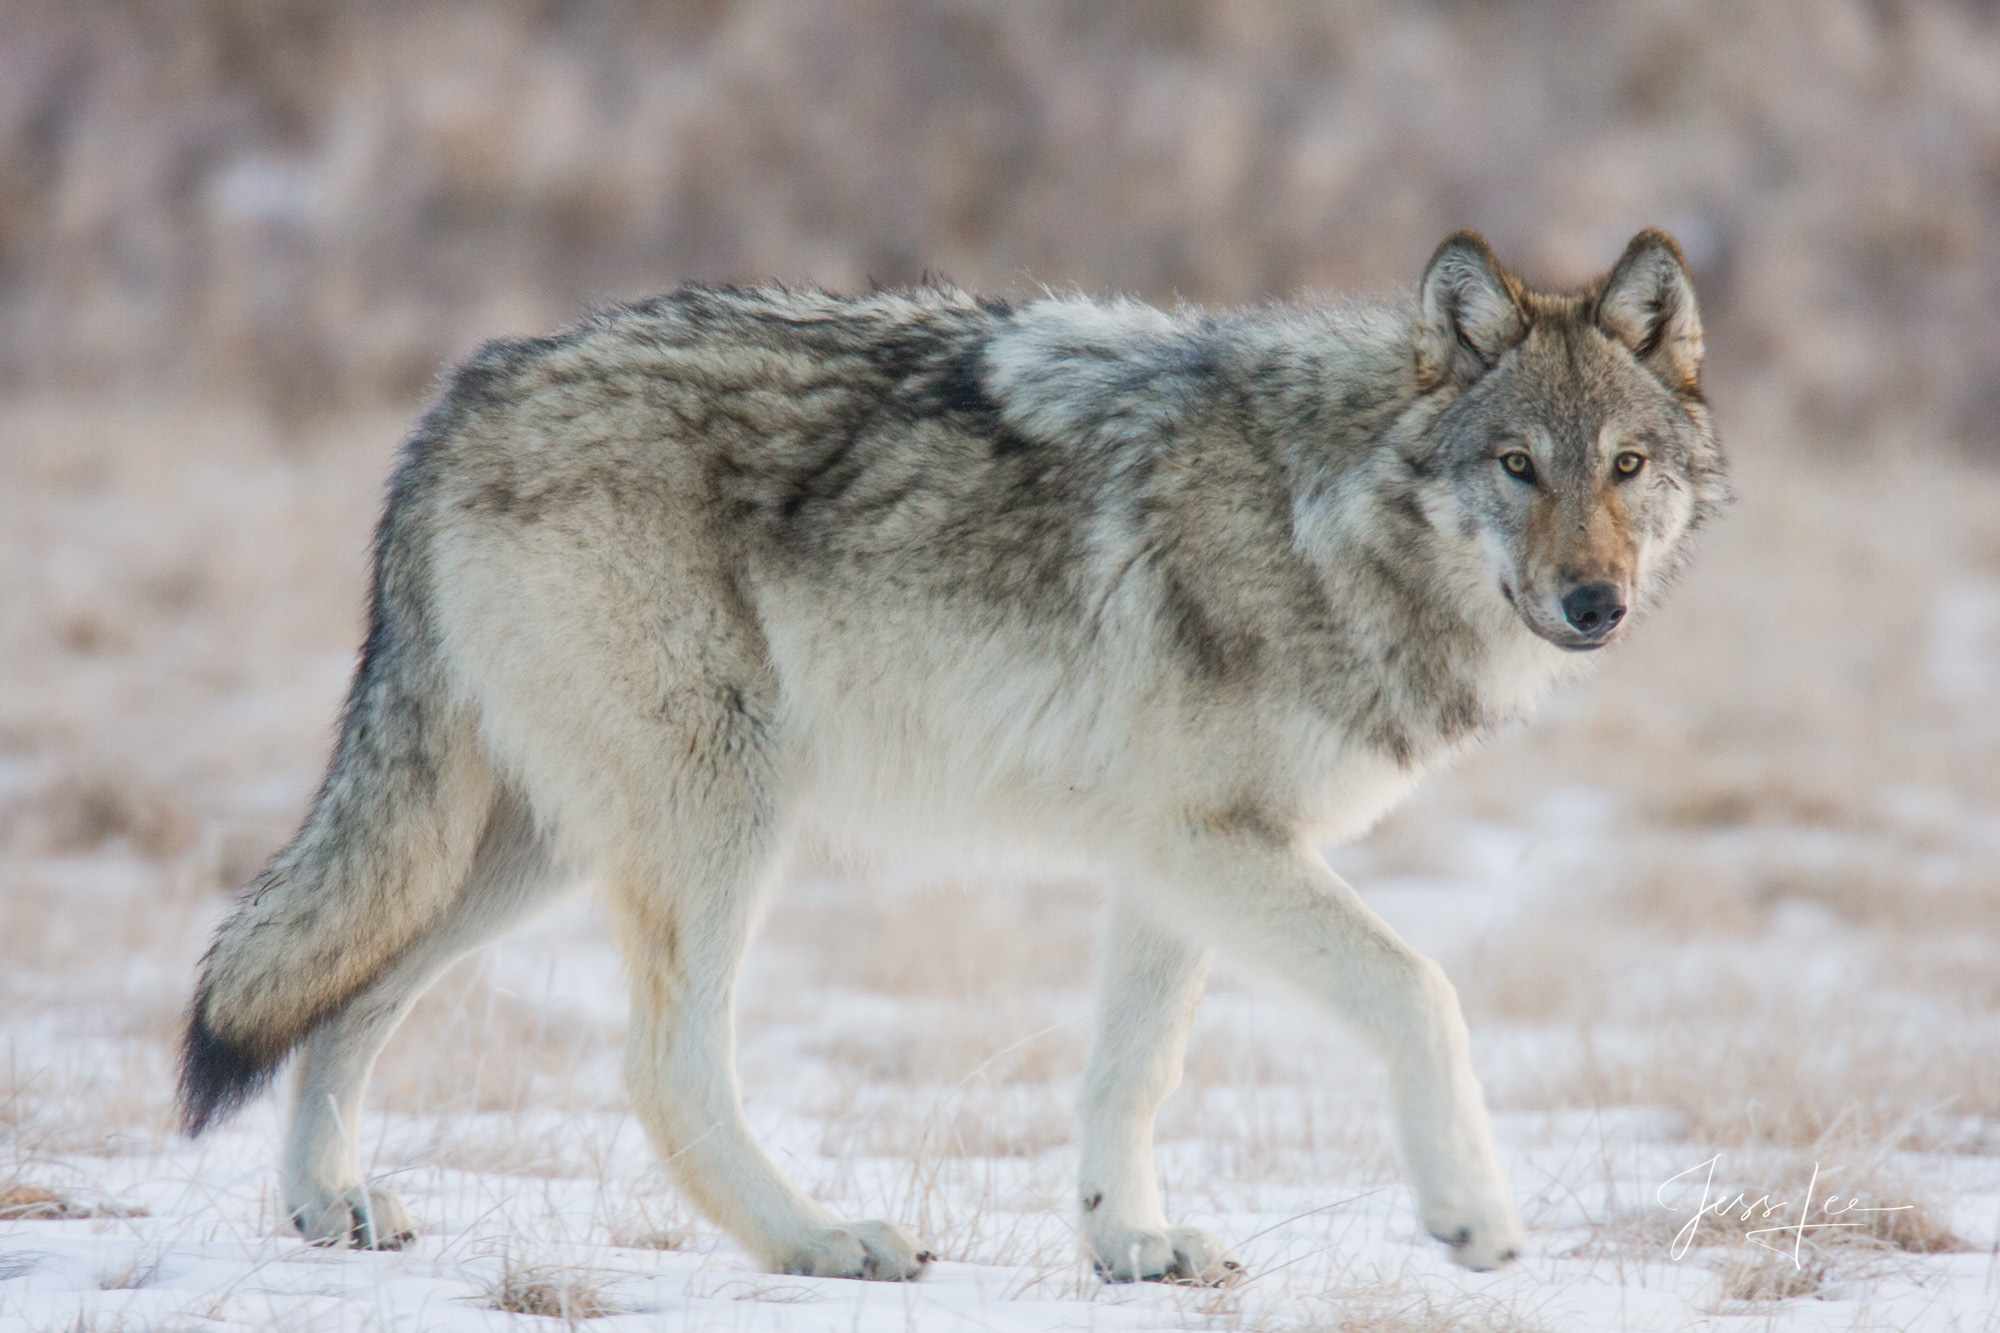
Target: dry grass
column 1845, row 1193
column 142, row 1271
column 550, row 1291
column 474, row 1044
column 974, row 1120
column 939, row 937
column 948, row 1037
column 512, row 1153
column 1757, row 1278
column 1888, row 1050
column 1306, row 1132
column 32, row 1203
column 1776, row 1083
column 646, row 1213
column 667, row 1240
column 1886, row 1038
column 81, row 813
column 1398, row 1307
column 25, row 1202
column 1779, row 1225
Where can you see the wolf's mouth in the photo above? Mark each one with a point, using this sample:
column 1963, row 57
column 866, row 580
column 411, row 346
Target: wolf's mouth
column 1562, row 636
column 1570, row 641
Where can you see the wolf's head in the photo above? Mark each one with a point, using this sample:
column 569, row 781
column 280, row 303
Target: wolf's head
column 1572, row 441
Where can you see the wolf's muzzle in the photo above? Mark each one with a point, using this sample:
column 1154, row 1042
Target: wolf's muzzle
column 1593, row 611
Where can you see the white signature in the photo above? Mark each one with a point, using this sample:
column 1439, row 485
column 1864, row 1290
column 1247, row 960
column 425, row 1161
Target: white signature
column 1761, row 1208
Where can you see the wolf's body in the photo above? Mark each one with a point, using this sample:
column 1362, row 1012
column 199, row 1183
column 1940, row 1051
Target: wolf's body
column 1182, row 594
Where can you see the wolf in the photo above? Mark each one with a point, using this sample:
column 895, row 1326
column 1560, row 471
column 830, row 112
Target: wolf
column 1185, row 594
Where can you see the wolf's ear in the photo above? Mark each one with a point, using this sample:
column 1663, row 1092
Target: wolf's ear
column 1467, row 312
column 1648, row 304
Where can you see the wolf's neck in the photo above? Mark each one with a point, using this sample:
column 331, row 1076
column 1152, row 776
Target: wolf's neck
column 1438, row 659
column 1326, row 385
column 1430, row 657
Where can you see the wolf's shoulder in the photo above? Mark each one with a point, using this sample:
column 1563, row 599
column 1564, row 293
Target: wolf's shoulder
column 1119, row 370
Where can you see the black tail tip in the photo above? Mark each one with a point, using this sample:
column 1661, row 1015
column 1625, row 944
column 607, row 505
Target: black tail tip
column 217, row 1075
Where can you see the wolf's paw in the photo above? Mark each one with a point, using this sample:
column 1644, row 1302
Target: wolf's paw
column 360, row 1217
column 1177, row 1254
column 877, row 1251
column 1481, row 1240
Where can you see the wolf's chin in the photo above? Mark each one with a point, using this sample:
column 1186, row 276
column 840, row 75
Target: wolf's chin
column 1569, row 643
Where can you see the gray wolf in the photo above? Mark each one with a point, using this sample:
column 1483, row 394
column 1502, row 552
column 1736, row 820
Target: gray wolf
column 1186, row 594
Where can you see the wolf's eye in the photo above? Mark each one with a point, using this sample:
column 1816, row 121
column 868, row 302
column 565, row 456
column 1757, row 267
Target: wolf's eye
column 1629, row 463
column 1519, row 466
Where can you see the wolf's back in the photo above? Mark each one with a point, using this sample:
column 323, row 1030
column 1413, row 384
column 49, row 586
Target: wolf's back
column 380, row 857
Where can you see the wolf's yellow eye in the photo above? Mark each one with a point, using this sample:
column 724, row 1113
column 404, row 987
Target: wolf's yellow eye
column 1519, row 466
column 1629, row 463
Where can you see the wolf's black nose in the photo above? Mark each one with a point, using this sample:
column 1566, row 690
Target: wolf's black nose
column 1594, row 609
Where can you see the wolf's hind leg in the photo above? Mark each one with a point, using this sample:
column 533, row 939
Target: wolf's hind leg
column 1277, row 906
column 1149, row 984
column 324, row 1191
column 687, row 905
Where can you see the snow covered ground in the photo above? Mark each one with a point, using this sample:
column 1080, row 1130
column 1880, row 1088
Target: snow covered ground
column 1733, row 902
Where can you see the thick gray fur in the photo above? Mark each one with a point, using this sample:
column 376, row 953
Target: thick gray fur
column 1182, row 593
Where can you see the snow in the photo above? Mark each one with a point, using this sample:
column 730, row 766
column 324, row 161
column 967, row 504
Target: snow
column 1290, row 1163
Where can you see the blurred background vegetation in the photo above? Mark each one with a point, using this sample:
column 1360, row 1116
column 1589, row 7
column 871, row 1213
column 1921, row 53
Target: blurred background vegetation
column 318, row 205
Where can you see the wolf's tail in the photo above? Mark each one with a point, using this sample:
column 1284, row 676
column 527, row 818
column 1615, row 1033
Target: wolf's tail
column 377, row 864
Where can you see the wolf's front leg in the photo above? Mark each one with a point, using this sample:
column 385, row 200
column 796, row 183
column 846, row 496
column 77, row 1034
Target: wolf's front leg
column 1149, row 986
column 1277, row 907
